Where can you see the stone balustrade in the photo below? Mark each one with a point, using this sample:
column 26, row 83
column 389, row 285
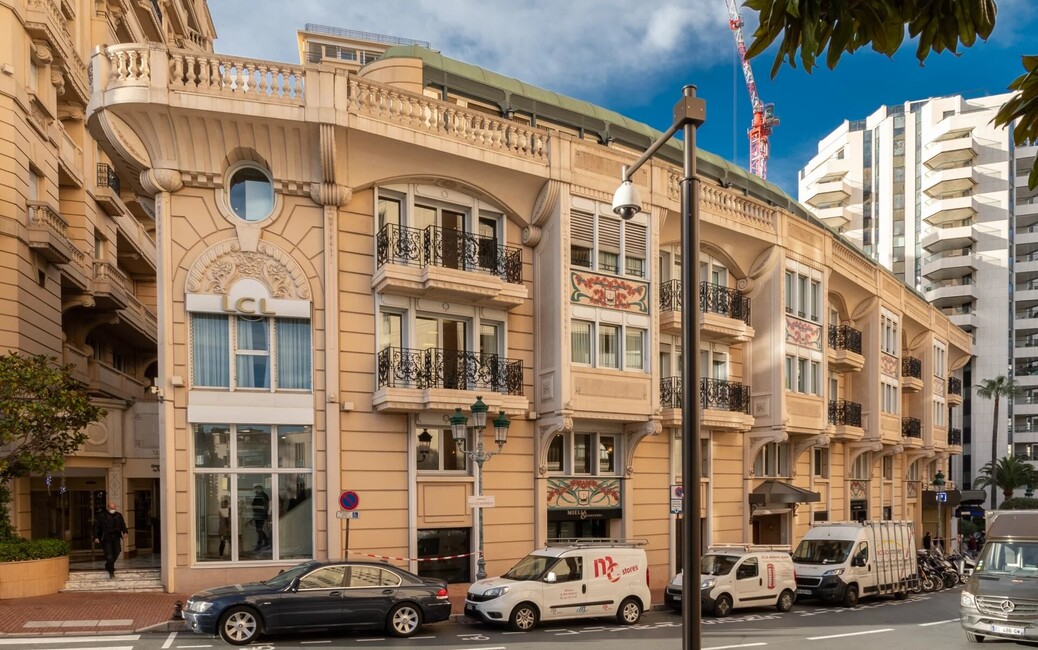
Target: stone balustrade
column 220, row 75
column 727, row 204
column 41, row 214
column 130, row 65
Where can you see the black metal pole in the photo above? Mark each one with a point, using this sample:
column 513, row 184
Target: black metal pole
column 691, row 610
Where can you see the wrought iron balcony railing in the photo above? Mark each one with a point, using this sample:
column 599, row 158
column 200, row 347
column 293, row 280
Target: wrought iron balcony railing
column 448, row 248
column 713, row 394
column 955, row 437
column 106, row 177
column 912, row 367
column 911, row 428
column 713, row 298
column 454, row 369
column 844, row 337
column 954, row 386
column 844, row 413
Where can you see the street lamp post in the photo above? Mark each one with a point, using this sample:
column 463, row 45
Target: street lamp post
column 459, row 425
column 689, row 113
column 939, row 494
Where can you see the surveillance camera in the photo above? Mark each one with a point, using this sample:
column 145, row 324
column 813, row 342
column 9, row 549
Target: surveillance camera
column 153, row 389
column 626, row 201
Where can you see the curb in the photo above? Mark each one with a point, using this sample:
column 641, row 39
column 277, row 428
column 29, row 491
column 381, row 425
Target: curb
column 177, row 625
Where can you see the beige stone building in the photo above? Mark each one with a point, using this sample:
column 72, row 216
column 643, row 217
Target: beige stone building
column 352, row 248
column 78, row 258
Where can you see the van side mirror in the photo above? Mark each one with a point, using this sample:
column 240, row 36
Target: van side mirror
column 551, row 577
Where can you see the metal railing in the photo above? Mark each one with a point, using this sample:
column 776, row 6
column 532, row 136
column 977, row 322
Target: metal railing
column 911, row 428
column 955, row 437
column 106, row 177
column 453, row 369
column 670, row 295
column 844, row 337
column 713, row 298
column 448, row 248
column 954, row 386
column 911, row 367
column 844, row 413
column 670, row 392
column 717, row 394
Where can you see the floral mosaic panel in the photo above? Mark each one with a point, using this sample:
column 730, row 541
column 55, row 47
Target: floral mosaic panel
column 802, row 333
column 586, row 493
column 605, row 291
column 888, row 365
column 859, row 489
column 913, row 489
column 938, row 386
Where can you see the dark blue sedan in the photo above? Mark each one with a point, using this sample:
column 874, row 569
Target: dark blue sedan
column 320, row 595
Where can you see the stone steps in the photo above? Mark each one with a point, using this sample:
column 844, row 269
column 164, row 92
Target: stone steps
column 125, row 580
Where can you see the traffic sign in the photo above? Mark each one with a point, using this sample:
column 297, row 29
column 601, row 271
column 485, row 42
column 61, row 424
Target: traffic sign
column 942, row 497
column 347, row 514
column 487, row 501
column 349, row 500
column 675, row 507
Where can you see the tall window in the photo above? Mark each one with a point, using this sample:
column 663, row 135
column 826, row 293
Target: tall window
column 608, row 346
column 861, row 469
column 820, row 462
column 889, row 397
column 251, row 352
column 889, row 334
column 772, row 460
column 940, row 360
column 253, row 497
column 605, row 345
column 803, row 296
column 580, row 341
column 442, row 455
column 584, row 454
column 607, row 244
column 804, row 375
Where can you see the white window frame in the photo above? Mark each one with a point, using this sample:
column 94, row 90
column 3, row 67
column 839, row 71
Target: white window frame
column 804, row 374
column 622, row 330
column 890, row 398
column 820, row 463
column 234, row 352
column 634, row 245
column 596, row 440
column 861, row 468
column 940, row 360
column 804, row 294
column 772, row 461
column 889, row 342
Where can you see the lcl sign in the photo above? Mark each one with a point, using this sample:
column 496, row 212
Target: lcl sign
column 246, row 305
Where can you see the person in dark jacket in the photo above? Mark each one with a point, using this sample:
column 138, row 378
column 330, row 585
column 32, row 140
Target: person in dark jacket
column 110, row 531
column 926, row 540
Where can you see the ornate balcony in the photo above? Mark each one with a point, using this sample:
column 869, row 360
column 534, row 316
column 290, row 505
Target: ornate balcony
column 911, row 374
column 845, row 420
column 48, row 233
column 438, row 379
column 955, row 437
column 912, row 429
column 112, row 289
column 447, row 264
column 954, row 391
column 725, row 312
column 844, row 351
column 107, row 190
column 725, row 404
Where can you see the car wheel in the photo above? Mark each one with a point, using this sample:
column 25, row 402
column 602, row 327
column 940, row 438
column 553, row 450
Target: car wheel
column 524, row 618
column 850, row 598
column 974, row 638
column 723, row 606
column 630, row 611
column 239, row 626
column 785, row 601
column 404, row 620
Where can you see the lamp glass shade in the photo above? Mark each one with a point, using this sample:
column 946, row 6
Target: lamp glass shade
column 938, row 479
column 459, row 422
column 479, row 414
column 424, row 440
column 501, row 429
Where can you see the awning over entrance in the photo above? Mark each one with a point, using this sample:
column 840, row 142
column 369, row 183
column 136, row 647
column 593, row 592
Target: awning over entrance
column 772, row 492
column 974, row 497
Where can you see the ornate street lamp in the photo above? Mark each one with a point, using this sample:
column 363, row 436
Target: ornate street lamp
column 689, row 113
column 459, row 426
column 424, row 443
column 938, row 484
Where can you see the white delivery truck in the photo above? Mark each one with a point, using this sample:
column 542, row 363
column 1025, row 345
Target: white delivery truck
column 841, row 561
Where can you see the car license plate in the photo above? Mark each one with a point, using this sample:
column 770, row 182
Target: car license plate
column 675, row 596
column 804, row 592
column 1005, row 629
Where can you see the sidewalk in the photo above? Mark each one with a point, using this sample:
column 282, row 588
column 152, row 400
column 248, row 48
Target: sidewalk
column 78, row 613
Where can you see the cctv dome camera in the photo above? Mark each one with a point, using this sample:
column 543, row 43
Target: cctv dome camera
column 626, row 201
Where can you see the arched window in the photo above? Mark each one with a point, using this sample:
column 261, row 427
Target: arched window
column 251, row 193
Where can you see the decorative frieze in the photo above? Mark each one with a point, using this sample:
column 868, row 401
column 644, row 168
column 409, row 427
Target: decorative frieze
column 609, row 292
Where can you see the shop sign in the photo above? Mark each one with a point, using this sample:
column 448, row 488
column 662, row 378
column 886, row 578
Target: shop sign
column 583, row 493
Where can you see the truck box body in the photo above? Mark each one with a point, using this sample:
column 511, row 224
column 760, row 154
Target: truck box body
column 842, row 561
column 1000, row 599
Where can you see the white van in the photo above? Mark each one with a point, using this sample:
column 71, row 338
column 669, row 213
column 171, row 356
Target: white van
column 577, row 578
column 841, row 561
column 745, row 575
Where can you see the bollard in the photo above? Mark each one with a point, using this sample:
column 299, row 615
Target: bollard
column 178, row 611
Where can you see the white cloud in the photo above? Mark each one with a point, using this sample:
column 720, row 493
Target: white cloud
column 576, row 47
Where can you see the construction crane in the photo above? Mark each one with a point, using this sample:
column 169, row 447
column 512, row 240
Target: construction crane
column 764, row 119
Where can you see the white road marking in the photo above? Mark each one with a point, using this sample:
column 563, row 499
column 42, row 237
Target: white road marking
column 726, row 647
column 950, row 620
column 415, row 638
column 188, row 646
column 566, row 633
column 377, row 638
column 71, row 639
column 169, row 640
column 840, row 636
column 309, row 642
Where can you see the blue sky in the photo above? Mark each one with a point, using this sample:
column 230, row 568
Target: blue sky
column 634, row 57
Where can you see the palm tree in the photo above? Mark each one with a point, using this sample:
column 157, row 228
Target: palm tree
column 996, row 389
column 1007, row 474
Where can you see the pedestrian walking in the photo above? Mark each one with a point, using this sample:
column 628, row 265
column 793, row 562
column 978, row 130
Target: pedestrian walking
column 110, row 531
column 926, row 540
column 225, row 524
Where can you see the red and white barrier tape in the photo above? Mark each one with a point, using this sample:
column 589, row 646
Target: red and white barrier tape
column 414, row 559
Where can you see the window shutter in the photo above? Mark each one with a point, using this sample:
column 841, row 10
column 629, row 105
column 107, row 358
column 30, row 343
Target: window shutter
column 634, row 240
column 609, row 235
column 582, row 229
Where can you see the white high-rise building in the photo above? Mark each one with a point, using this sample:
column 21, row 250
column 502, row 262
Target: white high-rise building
column 938, row 194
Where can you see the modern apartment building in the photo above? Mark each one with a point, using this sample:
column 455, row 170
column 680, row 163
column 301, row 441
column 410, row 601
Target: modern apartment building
column 936, row 193
column 78, row 263
column 352, row 255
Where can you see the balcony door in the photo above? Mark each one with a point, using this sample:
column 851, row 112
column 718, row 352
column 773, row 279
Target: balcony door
column 446, row 241
column 489, row 238
column 445, row 341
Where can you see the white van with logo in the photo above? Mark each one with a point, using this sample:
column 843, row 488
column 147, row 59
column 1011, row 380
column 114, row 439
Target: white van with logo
column 744, row 575
column 567, row 579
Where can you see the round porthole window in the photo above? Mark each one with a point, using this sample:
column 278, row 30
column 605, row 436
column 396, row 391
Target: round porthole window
column 251, row 194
